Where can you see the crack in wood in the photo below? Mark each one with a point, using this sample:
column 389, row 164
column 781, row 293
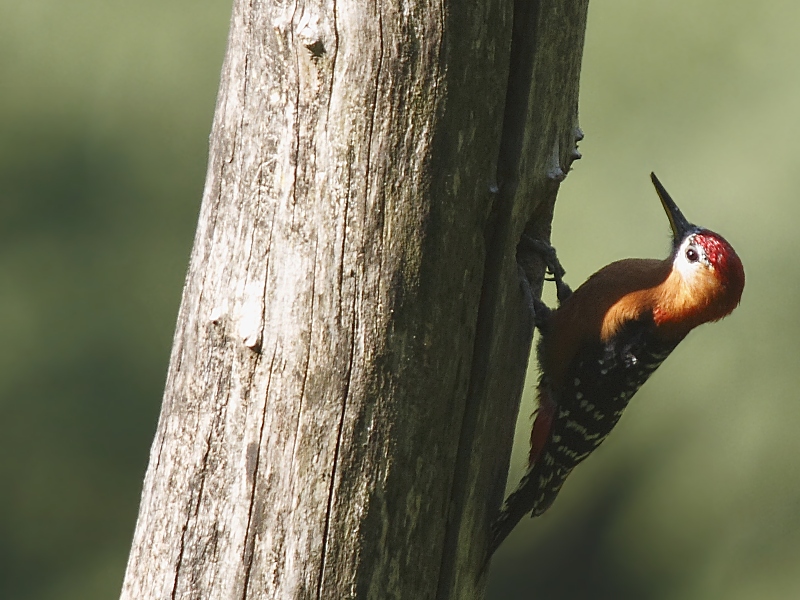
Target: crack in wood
column 250, row 536
column 335, row 461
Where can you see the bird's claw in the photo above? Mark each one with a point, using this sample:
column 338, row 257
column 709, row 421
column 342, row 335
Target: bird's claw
column 538, row 309
column 550, row 258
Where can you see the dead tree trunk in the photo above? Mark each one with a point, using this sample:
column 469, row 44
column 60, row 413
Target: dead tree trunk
column 352, row 341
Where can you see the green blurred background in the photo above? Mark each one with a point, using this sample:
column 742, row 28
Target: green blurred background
column 104, row 118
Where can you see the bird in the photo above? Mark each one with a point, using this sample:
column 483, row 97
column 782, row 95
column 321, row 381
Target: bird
column 603, row 342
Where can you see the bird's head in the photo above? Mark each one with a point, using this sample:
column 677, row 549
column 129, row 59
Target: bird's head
column 707, row 266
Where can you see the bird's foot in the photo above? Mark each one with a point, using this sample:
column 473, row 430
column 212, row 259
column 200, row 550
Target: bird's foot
column 550, row 258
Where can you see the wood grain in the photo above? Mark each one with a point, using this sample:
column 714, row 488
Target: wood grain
column 352, row 340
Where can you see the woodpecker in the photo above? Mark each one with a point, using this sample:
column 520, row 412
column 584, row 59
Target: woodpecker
column 603, row 342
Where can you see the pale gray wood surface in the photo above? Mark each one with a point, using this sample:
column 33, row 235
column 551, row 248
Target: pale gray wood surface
column 352, row 339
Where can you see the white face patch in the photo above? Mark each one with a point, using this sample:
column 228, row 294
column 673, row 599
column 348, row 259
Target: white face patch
column 687, row 268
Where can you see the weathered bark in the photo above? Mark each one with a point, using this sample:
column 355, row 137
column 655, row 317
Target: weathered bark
column 352, row 340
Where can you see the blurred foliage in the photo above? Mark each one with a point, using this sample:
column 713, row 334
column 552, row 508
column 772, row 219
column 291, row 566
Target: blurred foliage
column 104, row 120
column 103, row 134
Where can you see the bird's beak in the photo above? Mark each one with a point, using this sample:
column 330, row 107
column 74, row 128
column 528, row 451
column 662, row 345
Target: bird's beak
column 680, row 226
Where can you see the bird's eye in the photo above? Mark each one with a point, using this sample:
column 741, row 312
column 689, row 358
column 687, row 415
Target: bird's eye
column 692, row 255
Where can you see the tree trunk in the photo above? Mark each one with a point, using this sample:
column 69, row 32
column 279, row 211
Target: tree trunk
column 352, row 340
